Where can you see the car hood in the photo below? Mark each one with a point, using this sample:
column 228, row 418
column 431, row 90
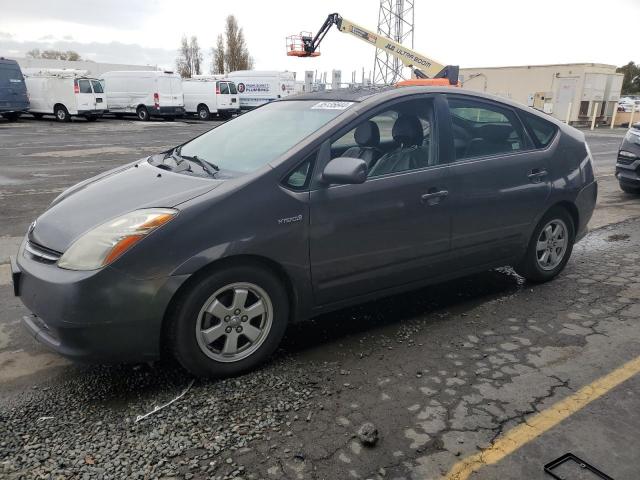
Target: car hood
column 113, row 193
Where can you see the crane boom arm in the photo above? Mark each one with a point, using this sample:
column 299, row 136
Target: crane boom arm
column 423, row 67
column 408, row 57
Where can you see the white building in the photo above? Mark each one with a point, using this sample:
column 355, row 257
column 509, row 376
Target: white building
column 570, row 91
column 94, row 69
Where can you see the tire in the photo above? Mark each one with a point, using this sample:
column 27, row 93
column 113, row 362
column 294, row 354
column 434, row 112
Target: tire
column 205, row 356
column 203, row 112
column 61, row 113
column 12, row 116
column 143, row 114
column 630, row 189
column 532, row 267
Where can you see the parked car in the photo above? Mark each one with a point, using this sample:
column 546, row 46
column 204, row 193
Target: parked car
column 206, row 96
column 64, row 93
column 145, row 94
column 13, row 92
column 258, row 87
column 302, row 206
column 628, row 162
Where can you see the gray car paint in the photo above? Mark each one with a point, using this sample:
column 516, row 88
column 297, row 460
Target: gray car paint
column 349, row 246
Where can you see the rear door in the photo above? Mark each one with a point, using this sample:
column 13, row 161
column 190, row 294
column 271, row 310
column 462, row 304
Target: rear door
column 224, row 96
column 499, row 181
column 166, row 89
column 233, row 94
column 85, row 100
column 13, row 92
column 98, row 93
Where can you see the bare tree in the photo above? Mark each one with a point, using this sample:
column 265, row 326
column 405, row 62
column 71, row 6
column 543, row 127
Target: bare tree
column 189, row 59
column 236, row 55
column 54, row 54
column 217, row 56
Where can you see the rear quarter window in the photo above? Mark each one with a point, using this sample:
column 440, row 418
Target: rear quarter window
column 541, row 130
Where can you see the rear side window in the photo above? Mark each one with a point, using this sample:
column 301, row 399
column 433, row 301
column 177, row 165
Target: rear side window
column 232, row 88
column 224, row 88
column 482, row 128
column 97, row 86
column 543, row 131
column 85, row 86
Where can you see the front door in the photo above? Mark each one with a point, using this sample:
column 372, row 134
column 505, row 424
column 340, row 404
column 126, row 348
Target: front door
column 499, row 182
column 394, row 228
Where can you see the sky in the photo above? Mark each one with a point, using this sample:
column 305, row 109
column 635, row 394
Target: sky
column 469, row 33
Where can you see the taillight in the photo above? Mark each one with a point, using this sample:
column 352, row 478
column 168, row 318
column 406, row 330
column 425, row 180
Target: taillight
column 76, row 87
column 217, row 89
column 156, row 100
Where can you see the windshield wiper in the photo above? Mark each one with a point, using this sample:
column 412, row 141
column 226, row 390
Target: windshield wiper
column 210, row 168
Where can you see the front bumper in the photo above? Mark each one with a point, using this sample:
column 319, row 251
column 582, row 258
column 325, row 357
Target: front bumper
column 628, row 173
column 102, row 316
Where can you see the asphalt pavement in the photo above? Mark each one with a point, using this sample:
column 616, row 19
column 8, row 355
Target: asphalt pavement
column 453, row 377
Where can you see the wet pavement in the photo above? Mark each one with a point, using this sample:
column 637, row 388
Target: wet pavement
column 441, row 373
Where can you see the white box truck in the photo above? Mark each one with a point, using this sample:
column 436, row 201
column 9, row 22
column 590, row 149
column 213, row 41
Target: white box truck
column 64, row 93
column 145, row 94
column 259, row 87
column 205, row 96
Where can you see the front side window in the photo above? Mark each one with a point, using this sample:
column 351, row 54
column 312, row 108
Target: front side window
column 300, row 177
column 481, row 128
column 254, row 139
column 97, row 86
column 84, row 86
column 396, row 140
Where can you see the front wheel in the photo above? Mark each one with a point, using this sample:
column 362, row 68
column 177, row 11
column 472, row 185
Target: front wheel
column 549, row 248
column 229, row 322
column 629, row 189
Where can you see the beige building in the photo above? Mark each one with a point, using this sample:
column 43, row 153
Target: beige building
column 571, row 91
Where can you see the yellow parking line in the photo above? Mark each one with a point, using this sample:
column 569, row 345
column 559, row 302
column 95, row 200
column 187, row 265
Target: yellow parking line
column 543, row 421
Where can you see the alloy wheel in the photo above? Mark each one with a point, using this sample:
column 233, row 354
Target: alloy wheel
column 234, row 322
column 552, row 244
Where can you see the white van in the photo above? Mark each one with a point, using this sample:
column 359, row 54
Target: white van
column 208, row 96
column 145, row 94
column 259, row 87
column 64, row 93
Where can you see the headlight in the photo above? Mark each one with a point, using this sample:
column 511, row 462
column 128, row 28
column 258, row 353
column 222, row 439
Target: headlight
column 102, row 245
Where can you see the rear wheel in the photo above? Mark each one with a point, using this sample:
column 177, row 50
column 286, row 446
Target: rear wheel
column 630, row 189
column 229, row 322
column 203, row 112
column 549, row 248
column 61, row 113
column 143, row 114
column 12, row 116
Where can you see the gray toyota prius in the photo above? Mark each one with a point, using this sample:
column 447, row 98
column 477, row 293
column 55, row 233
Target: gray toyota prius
column 302, row 206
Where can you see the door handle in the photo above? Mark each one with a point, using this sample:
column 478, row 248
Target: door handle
column 433, row 197
column 536, row 175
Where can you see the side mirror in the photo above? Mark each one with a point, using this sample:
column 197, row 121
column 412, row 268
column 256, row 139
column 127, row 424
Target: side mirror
column 345, row 171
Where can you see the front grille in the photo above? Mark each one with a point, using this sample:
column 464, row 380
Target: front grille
column 40, row 253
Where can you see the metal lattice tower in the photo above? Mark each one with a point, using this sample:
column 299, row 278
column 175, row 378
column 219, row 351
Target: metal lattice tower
column 395, row 21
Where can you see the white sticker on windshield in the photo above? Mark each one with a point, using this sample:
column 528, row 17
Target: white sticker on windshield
column 332, row 106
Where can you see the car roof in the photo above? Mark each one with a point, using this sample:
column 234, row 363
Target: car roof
column 375, row 94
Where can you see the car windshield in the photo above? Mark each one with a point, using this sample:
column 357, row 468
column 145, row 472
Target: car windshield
column 254, row 139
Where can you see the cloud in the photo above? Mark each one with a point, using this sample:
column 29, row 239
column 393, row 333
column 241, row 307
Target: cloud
column 120, row 14
column 5, row 36
column 111, row 52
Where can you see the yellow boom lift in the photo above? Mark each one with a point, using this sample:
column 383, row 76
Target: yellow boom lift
column 426, row 70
